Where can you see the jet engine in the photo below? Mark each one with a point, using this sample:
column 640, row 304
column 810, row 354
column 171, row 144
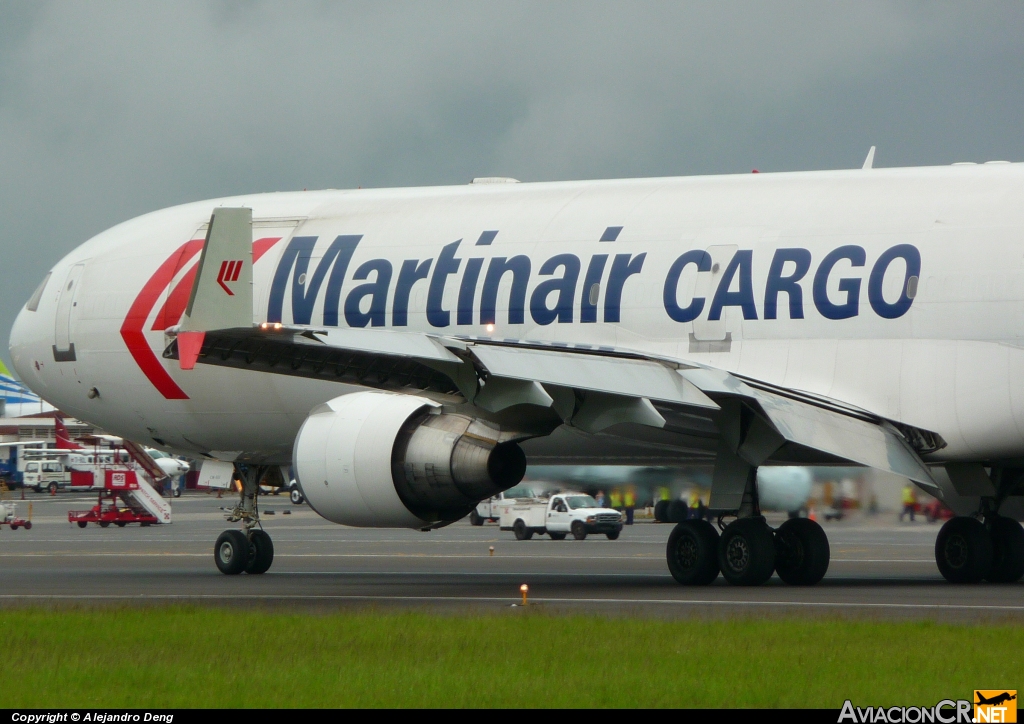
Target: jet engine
column 385, row 460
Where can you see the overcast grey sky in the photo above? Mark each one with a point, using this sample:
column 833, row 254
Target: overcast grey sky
column 111, row 109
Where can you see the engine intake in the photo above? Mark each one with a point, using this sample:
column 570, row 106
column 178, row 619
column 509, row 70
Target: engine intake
column 379, row 459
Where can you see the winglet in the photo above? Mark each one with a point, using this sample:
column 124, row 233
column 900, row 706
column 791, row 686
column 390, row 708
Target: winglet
column 221, row 295
column 869, row 162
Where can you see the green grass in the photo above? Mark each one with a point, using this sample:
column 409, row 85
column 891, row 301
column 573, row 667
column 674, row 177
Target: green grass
column 211, row 657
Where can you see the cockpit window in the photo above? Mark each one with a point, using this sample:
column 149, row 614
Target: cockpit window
column 33, row 303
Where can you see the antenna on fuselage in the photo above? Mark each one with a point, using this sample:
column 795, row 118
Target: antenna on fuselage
column 869, row 162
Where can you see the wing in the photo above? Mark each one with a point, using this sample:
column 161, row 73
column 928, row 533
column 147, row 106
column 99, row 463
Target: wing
column 683, row 409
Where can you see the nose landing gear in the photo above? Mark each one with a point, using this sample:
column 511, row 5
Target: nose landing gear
column 250, row 550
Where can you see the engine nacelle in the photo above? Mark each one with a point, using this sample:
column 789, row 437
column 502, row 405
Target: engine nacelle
column 384, row 460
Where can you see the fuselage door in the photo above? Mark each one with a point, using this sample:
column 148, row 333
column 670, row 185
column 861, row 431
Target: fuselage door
column 64, row 347
column 713, row 330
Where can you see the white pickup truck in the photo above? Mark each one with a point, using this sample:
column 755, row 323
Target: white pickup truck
column 558, row 516
column 490, row 508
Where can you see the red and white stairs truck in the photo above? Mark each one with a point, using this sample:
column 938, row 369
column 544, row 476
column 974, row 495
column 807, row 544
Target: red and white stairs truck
column 126, row 495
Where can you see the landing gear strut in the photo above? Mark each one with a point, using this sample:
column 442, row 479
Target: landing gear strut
column 250, row 549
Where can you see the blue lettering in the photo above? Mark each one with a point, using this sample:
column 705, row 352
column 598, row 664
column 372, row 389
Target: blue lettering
column 411, row 272
column 623, row 267
column 670, row 294
column 467, row 290
column 741, row 261
column 850, row 285
column 565, row 287
column 882, row 308
column 778, row 283
column 520, row 268
column 295, row 259
column 588, row 310
column 377, row 291
column 446, row 265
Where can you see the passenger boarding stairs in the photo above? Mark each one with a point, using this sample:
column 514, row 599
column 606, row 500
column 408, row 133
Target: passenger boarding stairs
column 146, row 495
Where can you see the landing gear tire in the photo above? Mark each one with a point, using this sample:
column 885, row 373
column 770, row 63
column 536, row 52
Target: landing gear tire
column 801, row 552
column 963, row 550
column 746, row 552
column 692, row 553
column 1007, row 551
column 521, row 531
column 556, row 536
column 296, row 497
column 231, row 552
column 613, row 536
column 474, row 518
column 261, row 553
column 579, row 531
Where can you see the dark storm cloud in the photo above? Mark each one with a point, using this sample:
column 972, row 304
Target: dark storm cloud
column 108, row 110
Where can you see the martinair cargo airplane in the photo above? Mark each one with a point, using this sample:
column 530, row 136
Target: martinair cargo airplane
column 409, row 350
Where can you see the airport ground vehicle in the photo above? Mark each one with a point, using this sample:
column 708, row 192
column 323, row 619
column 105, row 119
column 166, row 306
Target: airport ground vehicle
column 558, row 516
column 489, row 510
column 295, row 493
column 9, row 516
column 11, row 472
column 42, row 474
column 414, row 348
column 125, row 498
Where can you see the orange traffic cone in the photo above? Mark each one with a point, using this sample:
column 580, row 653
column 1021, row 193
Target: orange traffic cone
column 811, row 515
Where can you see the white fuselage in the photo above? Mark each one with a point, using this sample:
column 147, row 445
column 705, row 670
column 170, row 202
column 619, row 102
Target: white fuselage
column 899, row 291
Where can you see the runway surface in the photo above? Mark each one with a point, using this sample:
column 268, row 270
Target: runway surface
column 879, row 568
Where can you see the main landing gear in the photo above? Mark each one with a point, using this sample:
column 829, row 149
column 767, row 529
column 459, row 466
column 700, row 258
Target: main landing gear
column 987, row 547
column 748, row 551
column 968, row 550
column 249, row 550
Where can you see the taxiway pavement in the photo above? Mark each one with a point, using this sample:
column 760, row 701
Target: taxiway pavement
column 879, row 568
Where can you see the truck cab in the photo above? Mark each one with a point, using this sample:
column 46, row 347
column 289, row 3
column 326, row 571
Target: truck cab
column 10, row 473
column 560, row 515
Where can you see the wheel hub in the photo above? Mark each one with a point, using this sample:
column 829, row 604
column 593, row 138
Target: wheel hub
column 227, row 552
column 956, row 551
column 737, row 553
column 687, row 552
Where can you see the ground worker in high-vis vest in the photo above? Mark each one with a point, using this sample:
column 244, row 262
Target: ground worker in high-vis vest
column 630, row 503
column 695, row 506
column 616, row 499
column 909, row 502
